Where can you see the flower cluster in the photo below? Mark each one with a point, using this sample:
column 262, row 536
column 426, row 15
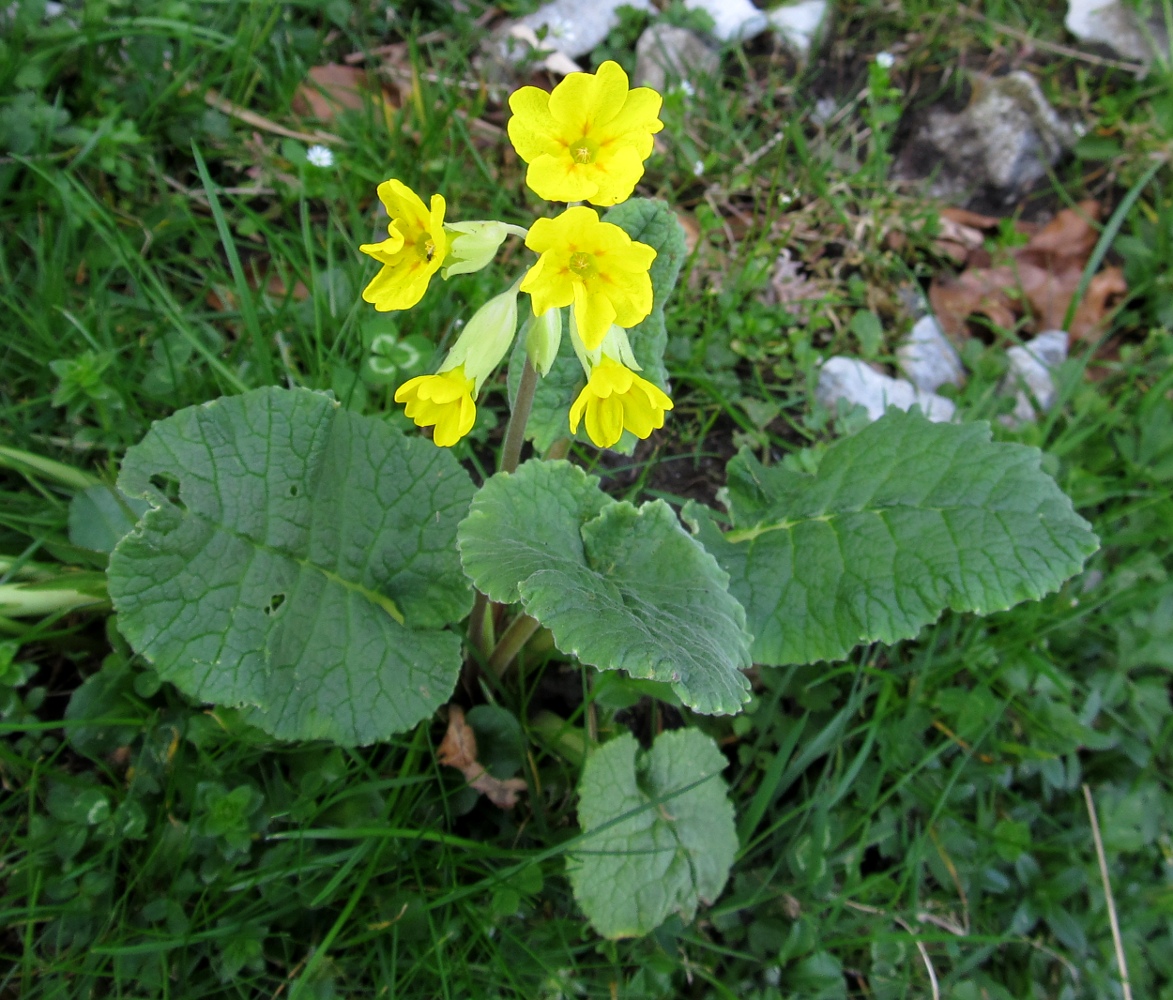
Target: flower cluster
column 587, row 140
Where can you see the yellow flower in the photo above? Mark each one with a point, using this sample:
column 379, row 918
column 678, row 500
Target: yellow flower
column 593, row 265
column 445, row 400
column 412, row 253
column 615, row 399
column 588, row 139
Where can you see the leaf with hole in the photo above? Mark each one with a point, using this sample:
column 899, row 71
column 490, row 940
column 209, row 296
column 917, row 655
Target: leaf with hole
column 299, row 560
column 901, row 521
column 658, row 832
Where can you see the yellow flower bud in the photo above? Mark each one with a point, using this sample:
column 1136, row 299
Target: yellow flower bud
column 486, row 338
column 616, row 399
column 543, row 338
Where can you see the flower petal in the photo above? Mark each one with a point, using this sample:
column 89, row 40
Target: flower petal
column 604, row 421
column 637, row 121
column 616, row 173
column 395, row 287
column 593, row 312
column 559, row 178
column 405, row 207
column 532, row 129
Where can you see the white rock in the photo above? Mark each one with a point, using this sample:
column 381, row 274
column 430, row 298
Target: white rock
column 666, row 53
column 1115, row 24
column 927, row 358
column 798, row 24
column 858, row 383
column 1030, row 376
column 572, row 27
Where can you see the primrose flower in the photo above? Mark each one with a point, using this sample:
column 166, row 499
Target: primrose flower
column 413, row 251
column 586, row 140
column 444, row 400
column 594, row 266
column 616, row 399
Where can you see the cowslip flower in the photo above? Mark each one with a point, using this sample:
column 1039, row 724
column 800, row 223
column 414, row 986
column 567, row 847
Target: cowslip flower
column 447, row 399
column 586, row 140
column 443, row 400
column 415, row 247
column 616, row 399
column 594, row 266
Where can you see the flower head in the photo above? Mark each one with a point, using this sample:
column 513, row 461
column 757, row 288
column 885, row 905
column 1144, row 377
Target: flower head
column 586, row 140
column 444, row 400
column 414, row 250
column 616, row 399
column 593, row 265
column 320, row 156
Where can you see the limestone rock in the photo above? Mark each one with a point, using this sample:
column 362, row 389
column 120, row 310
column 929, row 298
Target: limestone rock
column 996, row 149
column 666, row 54
column 927, row 358
column 1030, row 378
column 857, row 383
column 1118, row 26
column 573, row 28
column 798, row 24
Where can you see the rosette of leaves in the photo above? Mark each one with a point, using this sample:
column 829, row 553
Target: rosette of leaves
column 298, row 561
column 645, row 220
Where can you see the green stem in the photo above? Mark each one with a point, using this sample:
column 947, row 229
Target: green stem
column 512, row 641
column 515, row 434
column 559, row 449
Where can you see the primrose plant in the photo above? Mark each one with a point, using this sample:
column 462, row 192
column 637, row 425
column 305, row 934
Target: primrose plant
column 313, row 566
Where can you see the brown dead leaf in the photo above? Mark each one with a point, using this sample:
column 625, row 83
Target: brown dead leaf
column 976, row 290
column 1102, row 293
column 331, row 89
column 971, row 220
column 1046, row 271
column 459, row 750
column 692, row 230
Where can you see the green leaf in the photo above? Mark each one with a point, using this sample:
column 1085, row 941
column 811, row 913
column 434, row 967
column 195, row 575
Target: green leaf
column 101, row 515
column 901, row 521
column 648, row 221
column 620, row 587
column 660, row 836
column 299, row 561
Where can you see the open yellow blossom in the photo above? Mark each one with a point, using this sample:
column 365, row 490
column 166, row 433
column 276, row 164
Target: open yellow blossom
column 444, row 400
column 588, row 139
column 594, row 266
column 412, row 253
column 616, row 399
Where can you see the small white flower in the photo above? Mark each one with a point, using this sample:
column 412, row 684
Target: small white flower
column 698, row 168
column 885, row 60
column 686, row 88
column 1079, row 128
column 320, row 156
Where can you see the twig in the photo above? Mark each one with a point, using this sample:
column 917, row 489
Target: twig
column 1137, row 69
column 512, row 640
column 1121, row 962
column 920, row 945
column 225, row 106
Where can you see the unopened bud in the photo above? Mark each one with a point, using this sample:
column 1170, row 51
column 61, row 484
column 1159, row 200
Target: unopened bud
column 473, row 245
column 543, row 340
column 486, row 338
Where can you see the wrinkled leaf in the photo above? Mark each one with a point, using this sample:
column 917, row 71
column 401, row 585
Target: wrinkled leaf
column 620, row 587
column 903, row 520
column 299, row 561
column 661, row 838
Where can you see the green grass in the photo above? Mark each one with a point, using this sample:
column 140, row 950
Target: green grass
column 917, row 806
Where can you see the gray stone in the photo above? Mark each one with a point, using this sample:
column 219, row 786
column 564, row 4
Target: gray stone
column 999, row 147
column 1120, row 28
column 666, row 54
column 859, row 384
column 927, row 358
column 1030, row 378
